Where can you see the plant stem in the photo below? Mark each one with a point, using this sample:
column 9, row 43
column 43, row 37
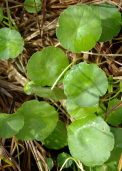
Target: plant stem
column 9, row 18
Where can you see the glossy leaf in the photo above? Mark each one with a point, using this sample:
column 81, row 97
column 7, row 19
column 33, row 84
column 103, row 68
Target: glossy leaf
column 10, row 124
column 90, row 82
column 49, row 65
column 90, row 140
column 78, row 112
column 110, row 18
column 40, row 120
column 1, row 15
column 58, row 138
column 114, row 118
column 31, row 2
column 79, row 28
column 62, row 158
column 55, row 94
column 11, row 43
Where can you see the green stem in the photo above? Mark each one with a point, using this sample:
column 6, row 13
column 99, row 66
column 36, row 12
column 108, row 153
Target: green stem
column 74, row 161
column 9, row 18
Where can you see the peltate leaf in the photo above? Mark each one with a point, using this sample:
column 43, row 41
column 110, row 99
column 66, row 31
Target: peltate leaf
column 90, row 140
column 10, row 124
column 31, row 2
column 84, row 83
column 11, row 43
column 78, row 112
column 79, row 28
column 111, row 20
column 62, row 158
column 114, row 118
column 55, row 94
column 58, row 138
column 39, row 120
column 49, row 65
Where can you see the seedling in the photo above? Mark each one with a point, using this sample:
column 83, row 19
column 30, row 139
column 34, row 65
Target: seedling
column 11, row 43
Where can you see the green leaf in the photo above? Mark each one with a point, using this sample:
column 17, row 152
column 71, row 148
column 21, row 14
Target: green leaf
column 39, row 120
column 1, row 15
column 49, row 65
column 78, row 112
column 62, row 158
column 58, row 138
column 31, row 2
column 114, row 118
column 90, row 82
column 10, row 124
column 90, row 140
column 55, row 94
column 11, row 43
column 101, row 109
column 79, row 28
column 116, row 152
column 50, row 163
column 111, row 20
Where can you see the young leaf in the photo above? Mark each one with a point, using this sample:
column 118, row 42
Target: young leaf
column 90, row 82
column 78, row 112
column 31, row 2
column 10, row 124
column 90, row 140
column 55, row 94
column 111, row 20
column 62, row 158
column 79, row 28
column 39, row 120
column 50, row 163
column 58, row 138
column 1, row 15
column 49, row 65
column 115, row 117
column 11, row 43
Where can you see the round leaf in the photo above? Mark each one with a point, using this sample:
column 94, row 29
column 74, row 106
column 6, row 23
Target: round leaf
column 39, row 120
column 62, row 158
column 84, row 83
column 78, row 112
column 10, row 124
column 116, row 152
column 79, row 28
column 110, row 18
column 58, row 138
column 115, row 117
column 49, row 65
column 56, row 93
column 50, row 163
column 11, row 43
column 31, row 2
column 90, row 140
column 1, row 15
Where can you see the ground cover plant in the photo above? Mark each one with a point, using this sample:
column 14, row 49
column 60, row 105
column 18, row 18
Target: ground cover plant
column 69, row 101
